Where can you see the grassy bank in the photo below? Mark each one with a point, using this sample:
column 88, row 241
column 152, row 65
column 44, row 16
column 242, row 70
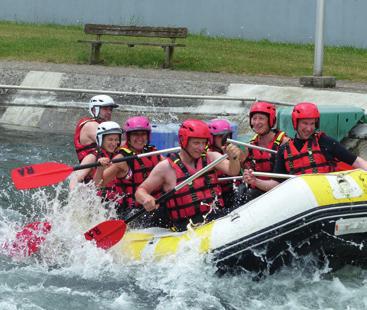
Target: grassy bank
column 58, row 44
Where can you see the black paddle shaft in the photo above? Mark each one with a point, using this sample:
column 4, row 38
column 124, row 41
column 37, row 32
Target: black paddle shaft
column 96, row 164
column 127, row 158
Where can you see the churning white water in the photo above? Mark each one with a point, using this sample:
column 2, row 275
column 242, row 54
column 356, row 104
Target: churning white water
column 71, row 273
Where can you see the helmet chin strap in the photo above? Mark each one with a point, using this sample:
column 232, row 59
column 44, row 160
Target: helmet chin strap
column 188, row 153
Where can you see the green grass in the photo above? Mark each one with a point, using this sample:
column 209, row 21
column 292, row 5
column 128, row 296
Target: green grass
column 58, row 44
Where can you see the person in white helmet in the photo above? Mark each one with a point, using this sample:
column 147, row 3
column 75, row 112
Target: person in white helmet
column 100, row 108
column 108, row 139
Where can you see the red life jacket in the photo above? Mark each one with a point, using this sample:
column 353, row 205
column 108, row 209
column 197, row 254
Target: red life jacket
column 140, row 169
column 309, row 160
column 227, row 186
column 81, row 149
column 260, row 160
column 342, row 166
column 195, row 198
column 110, row 191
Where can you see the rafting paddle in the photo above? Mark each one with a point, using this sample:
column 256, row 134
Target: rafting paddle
column 249, row 145
column 260, row 174
column 49, row 173
column 28, row 240
column 108, row 233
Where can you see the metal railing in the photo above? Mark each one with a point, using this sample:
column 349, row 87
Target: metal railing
column 136, row 94
column 122, row 93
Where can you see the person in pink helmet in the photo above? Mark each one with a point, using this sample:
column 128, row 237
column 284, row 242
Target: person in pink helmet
column 220, row 130
column 200, row 200
column 132, row 173
column 311, row 151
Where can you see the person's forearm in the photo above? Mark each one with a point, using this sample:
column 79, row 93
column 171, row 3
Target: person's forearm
column 98, row 177
column 234, row 167
column 141, row 194
column 143, row 197
column 360, row 163
column 265, row 185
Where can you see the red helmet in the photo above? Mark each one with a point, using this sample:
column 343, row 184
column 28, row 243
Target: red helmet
column 305, row 110
column 192, row 128
column 265, row 108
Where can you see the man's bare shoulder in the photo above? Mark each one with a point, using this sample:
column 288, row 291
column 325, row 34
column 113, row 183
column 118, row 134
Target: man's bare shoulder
column 163, row 166
column 88, row 132
column 90, row 125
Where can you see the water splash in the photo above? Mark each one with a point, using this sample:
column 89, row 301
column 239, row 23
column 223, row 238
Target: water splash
column 70, row 271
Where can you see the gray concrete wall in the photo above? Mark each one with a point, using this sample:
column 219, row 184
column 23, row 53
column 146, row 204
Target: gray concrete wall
column 280, row 20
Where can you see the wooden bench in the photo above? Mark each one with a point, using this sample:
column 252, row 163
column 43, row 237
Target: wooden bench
column 134, row 31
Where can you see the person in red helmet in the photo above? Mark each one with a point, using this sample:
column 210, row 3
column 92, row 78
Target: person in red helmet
column 311, row 151
column 200, row 200
column 262, row 119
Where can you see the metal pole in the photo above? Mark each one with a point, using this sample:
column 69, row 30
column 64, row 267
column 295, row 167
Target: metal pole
column 122, row 93
column 319, row 38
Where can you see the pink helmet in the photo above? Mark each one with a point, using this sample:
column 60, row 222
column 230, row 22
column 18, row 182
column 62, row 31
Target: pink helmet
column 265, row 108
column 219, row 127
column 193, row 128
column 138, row 123
column 305, row 110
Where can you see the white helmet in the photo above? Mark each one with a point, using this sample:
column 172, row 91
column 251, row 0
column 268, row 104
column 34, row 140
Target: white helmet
column 107, row 128
column 100, row 101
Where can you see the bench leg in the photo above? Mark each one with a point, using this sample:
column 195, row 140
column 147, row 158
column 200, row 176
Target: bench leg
column 94, row 53
column 168, row 51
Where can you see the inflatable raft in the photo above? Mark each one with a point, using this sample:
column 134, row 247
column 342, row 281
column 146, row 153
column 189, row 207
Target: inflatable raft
column 320, row 214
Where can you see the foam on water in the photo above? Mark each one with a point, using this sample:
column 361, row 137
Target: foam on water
column 70, row 273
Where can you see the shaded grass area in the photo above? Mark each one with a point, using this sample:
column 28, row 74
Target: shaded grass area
column 58, row 44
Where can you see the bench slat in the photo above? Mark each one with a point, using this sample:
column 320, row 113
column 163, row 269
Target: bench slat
column 134, row 43
column 160, row 32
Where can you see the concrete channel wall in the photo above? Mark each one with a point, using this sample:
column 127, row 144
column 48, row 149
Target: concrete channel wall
column 58, row 111
column 172, row 96
column 279, row 21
